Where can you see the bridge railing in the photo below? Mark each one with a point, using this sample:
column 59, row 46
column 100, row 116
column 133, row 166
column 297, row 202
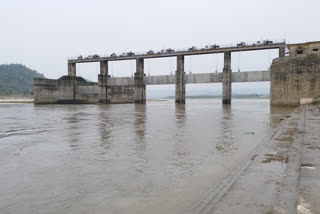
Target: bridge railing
column 190, row 49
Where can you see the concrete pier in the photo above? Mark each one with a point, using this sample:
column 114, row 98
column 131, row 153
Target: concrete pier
column 104, row 68
column 103, row 88
column 282, row 51
column 180, row 81
column 72, row 69
column 226, row 79
column 140, row 87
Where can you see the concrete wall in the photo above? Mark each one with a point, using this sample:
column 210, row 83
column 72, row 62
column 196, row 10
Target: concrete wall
column 118, row 81
column 203, row 78
column 70, row 89
column 252, row 76
column 64, row 90
column 160, row 80
column 293, row 79
column 256, row 76
column 122, row 94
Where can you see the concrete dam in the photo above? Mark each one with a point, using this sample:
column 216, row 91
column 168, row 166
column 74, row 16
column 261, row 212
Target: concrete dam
column 288, row 76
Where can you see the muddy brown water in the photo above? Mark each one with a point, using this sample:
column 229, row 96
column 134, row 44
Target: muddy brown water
column 153, row 158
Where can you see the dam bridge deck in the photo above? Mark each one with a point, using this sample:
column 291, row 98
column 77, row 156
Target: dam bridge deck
column 213, row 49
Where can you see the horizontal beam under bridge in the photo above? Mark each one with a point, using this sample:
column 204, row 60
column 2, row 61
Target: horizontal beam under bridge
column 252, row 76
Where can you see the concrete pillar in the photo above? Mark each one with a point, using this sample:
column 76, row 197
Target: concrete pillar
column 180, row 81
column 104, row 68
column 72, row 69
column 140, row 87
column 103, row 89
column 282, row 51
column 226, row 81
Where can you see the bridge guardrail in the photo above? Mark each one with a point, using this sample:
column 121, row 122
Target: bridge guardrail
column 181, row 50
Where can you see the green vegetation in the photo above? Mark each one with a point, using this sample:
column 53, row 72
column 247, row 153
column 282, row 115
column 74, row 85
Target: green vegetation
column 248, row 133
column 219, row 147
column 17, row 78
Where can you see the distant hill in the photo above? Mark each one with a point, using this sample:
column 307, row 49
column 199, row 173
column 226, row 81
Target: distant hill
column 17, row 78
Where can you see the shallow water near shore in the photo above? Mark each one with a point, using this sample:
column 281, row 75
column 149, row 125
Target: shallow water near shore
column 124, row 158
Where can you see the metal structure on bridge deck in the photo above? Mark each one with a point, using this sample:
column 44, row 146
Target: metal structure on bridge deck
column 180, row 78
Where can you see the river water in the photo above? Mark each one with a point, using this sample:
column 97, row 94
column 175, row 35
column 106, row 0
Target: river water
column 153, row 158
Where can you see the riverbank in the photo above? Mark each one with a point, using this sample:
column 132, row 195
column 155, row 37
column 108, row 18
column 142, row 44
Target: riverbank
column 16, row 101
column 282, row 176
column 16, row 98
column 300, row 185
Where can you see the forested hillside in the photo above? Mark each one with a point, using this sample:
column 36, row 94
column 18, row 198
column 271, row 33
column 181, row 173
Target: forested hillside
column 17, row 78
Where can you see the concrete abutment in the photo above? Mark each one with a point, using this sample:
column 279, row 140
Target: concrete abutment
column 295, row 80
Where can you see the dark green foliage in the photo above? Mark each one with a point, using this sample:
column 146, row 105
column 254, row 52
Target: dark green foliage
column 17, row 78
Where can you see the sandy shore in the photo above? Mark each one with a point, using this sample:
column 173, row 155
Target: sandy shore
column 16, row 98
column 29, row 99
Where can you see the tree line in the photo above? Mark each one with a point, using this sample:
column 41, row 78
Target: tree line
column 17, row 78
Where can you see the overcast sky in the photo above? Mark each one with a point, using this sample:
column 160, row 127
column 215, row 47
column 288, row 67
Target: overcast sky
column 42, row 34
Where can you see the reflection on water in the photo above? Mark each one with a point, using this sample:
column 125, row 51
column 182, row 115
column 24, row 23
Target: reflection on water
column 154, row 158
column 225, row 139
column 179, row 151
column 140, row 130
column 180, row 115
column 140, row 123
column 104, row 129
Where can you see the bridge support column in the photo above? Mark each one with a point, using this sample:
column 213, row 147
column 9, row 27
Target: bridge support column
column 140, row 87
column 72, row 69
column 180, row 81
column 226, row 79
column 103, row 89
column 282, row 51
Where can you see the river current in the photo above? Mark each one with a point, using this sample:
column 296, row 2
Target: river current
column 124, row 158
